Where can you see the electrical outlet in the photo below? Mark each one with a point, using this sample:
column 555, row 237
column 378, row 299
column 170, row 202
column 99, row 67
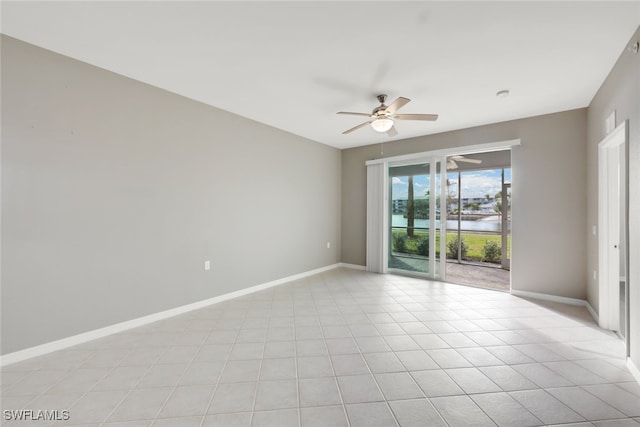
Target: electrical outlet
column 595, row 275
column 328, row 245
column 207, row 265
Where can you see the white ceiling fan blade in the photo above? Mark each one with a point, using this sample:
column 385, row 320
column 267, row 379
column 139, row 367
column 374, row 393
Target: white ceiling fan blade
column 429, row 117
column 356, row 127
column 392, row 132
column 397, row 104
column 466, row 160
column 354, row 114
column 451, row 164
column 388, row 112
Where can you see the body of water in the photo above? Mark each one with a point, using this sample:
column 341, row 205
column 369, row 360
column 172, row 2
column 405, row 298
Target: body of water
column 484, row 225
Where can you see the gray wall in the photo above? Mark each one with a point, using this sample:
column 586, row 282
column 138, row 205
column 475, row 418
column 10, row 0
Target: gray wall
column 114, row 193
column 549, row 197
column 619, row 92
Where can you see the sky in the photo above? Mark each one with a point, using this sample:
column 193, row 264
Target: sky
column 474, row 184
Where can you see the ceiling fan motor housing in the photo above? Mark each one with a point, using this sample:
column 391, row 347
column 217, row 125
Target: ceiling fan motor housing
column 381, row 110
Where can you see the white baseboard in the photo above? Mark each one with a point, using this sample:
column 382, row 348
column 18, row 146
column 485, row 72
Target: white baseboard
column 556, row 298
column 63, row 343
column 352, row 266
column 547, row 297
column 593, row 313
column 633, row 369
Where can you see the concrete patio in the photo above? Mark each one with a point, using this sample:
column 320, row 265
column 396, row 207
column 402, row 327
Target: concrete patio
column 474, row 274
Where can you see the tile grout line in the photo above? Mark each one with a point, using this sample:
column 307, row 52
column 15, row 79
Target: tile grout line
column 85, row 393
column 335, row 377
column 125, row 396
column 375, row 380
column 215, row 388
column 175, row 387
column 442, row 418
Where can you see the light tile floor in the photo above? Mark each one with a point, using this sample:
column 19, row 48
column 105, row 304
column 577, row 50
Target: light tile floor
column 342, row 348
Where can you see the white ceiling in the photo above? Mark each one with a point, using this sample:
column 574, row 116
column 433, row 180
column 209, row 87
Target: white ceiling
column 293, row 65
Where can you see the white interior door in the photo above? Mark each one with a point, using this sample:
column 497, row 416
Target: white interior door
column 612, row 229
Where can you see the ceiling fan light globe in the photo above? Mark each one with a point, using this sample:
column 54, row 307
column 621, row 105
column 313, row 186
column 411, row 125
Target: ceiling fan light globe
column 382, row 125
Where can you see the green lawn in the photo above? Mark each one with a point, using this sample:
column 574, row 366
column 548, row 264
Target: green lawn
column 474, row 241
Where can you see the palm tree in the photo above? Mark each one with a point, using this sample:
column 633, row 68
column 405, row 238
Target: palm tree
column 498, row 199
column 498, row 207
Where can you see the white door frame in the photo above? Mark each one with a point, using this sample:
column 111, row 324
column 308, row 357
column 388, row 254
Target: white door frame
column 434, row 193
column 609, row 175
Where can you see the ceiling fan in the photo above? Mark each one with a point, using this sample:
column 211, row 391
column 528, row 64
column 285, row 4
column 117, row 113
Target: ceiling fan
column 451, row 161
column 382, row 117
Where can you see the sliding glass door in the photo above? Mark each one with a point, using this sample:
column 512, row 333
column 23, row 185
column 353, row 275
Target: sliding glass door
column 417, row 219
